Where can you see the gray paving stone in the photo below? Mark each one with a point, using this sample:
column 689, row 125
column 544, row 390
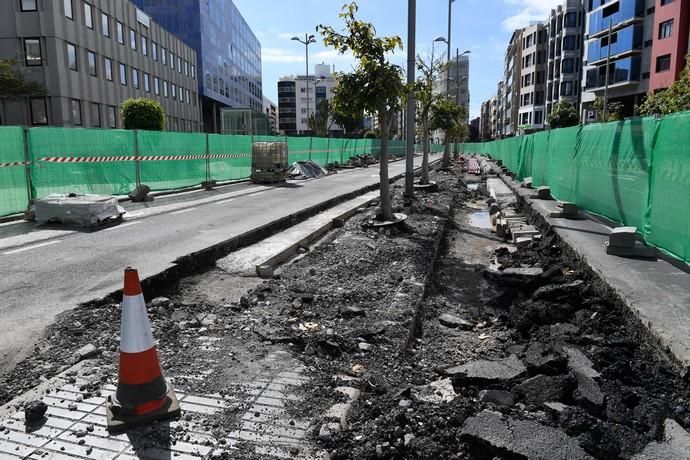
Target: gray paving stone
column 8, row 448
column 489, row 371
column 675, row 446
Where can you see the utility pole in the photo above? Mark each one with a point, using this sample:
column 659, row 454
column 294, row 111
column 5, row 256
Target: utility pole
column 606, row 83
column 410, row 122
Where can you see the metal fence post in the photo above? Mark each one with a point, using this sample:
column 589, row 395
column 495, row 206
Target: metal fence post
column 27, row 167
column 208, row 160
column 328, row 150
column 137, row 162
column 311, row 141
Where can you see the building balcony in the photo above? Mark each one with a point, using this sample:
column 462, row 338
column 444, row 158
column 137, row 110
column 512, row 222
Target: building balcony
column 621, row 72
column 628, row 40
column 618, row 13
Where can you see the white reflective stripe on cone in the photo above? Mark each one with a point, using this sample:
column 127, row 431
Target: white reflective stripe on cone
column 135, row 332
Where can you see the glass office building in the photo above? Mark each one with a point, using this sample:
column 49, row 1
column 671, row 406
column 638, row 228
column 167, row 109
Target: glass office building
column 228, row 52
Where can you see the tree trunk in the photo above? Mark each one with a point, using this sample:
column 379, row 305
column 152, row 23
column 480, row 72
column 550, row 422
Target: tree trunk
column 446, row 151
column 386, row 206
column 425, row 153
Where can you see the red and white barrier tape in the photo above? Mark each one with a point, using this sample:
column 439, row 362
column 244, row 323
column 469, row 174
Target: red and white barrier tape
column 142, row 158
column 14, row 163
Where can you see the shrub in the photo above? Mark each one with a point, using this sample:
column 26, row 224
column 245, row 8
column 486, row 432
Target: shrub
column 143, row 114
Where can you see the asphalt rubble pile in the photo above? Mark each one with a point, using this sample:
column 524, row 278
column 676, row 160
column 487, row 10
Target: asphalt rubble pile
column 524, row 355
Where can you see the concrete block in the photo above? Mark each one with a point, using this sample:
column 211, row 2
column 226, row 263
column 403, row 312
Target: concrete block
column 623, row 237
column 639, row 251
column 494, row 208
column 527, row 182
column 264, row 271
column 544, row 193
column 568, row 211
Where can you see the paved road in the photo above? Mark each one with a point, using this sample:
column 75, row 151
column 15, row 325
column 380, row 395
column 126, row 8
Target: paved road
column 45, row 271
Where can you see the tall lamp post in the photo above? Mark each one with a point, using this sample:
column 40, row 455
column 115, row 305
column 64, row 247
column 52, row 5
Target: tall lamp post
column 450, row 11
column 308, row 40
column 409, row 128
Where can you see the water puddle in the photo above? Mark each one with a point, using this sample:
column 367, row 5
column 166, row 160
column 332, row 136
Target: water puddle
column 480, row 219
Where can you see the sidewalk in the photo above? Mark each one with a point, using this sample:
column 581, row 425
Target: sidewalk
column 657, row 292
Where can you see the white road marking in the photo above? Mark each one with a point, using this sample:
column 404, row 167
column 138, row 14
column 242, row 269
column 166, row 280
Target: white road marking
column 132, row 215
column 33, row 246
column 225, row 201
column 128, row 224
column 182, row 211
column 257, row 193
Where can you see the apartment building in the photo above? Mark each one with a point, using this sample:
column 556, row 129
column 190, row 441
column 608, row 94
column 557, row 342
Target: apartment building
column 531, row 114
column 622, row 32
column 228, row 52
column 299, row 97
column 565, row 28
column 511, row 84
column 457, row 79
column 671, row 40
column 485, row 121
column 91, row 56
column 500, row 116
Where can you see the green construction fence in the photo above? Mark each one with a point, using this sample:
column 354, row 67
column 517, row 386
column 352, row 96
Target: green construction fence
column 635, row 172
column 36, row 162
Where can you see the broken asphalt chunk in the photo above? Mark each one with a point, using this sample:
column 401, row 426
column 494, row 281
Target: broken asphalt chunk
column 453, row 321
column 437, row 392
column 527, row 439
column 488, row 371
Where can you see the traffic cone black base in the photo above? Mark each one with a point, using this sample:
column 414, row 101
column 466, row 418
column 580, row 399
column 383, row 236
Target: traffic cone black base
column 120, row 420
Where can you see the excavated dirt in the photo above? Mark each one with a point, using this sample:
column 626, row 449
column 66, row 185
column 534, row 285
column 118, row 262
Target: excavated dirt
column 351, row 310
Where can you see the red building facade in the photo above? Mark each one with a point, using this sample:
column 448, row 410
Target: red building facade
column 670, row 46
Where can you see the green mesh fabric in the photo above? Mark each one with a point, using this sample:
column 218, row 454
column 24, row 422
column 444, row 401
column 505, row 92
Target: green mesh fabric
column 111, row 178
column 668, row 210
column 14, row 196
column 634, row 172
column 163, row 174
column 236, row 162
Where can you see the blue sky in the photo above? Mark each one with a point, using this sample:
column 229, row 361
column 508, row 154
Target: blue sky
column 482, row 26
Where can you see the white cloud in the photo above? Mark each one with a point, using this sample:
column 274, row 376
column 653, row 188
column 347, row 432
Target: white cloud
column 280, row 55
column 529, row 11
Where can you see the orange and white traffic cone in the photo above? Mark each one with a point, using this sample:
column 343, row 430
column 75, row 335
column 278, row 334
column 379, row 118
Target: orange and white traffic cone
column 142, row 395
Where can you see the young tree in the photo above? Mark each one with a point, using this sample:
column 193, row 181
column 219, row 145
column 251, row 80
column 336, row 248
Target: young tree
column 322, row 121
column 425, row 98
column 14, row 85
column 448, row 116
column 614, row 110
column 352, row 124
column 374, row 86
column 563, row 115
column 675, row 98
column 143, row 114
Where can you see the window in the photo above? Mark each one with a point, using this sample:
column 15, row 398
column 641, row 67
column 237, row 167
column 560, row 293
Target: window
column 568, row 65
column 105, row 24
column 76, row 112
column 39, row 111
column 132, row 39
column 186, row 69
column 186, row 94
column 154, row 51
column 32, row 52
column 96, row 115
column 570, row 19
column 180, row 93
column 147, row 83
column 173, row 90
column 29, row 5
column 665, row 2
column 164, row 56
column 144, row 45
column 112, row 117
column 108, row 68
column 663, row 63
column 165, row 88
column 88, row 15
column 567, row 88
column 123, row 74
column 538, row 118
column 179, row 64
column 172, row 60
column 156, row 86
column 193, row 71
column 120, row 33
column 135, row 78
column 611, row 10
column 91, row 61
column 67, row 5
column 666, row 29
column 72, row 56
column 569, row 42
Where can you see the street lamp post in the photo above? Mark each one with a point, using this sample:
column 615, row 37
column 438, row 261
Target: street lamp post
column 450, row 10
column 409, row 131
column 308, row 40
